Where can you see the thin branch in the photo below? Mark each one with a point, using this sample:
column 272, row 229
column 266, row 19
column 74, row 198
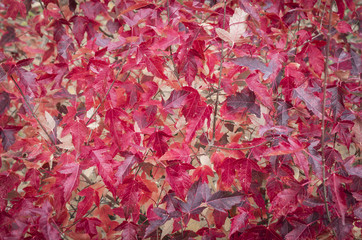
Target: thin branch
column 236, row 149
column 324, row 112
column 34, row 116
column 219, row 83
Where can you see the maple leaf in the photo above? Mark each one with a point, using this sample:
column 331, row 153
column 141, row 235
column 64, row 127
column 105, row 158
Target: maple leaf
column 89, row 225
column 129, row 230
column 245, row 168
column 86, row 203
column 27, row 79
column 176, row 99
column 9, row 36
column 299, row 232
column 260, row 232
column 8, row 183
column 260, row 90
column 353, row 170
column 154, row 65
column 82, row 25
column 79, row 132
column 343, row 128
column 339, row 197
column 104, row 163
column 146, row 117
column 243, row 100
column 238, row 222
column 125, row 167
column 255, row 64
column 14, row 8
column 73, row 171
column 178, row 178
column 92, row 9
column 210, row 233
column 65, row 47
column 237, row 27
column 196, row 121
column 158, row 141
column 202, row 172
column 197, row 194
column 156, row 217
column 313, row 102
column 223, row 201
column 7, row 135
column 131, row 191
column 285, row 202
column 227, row 171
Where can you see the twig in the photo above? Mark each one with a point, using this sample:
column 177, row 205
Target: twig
column 34, row 116
column 219, row 83
column 323, row 112
column 236, row 149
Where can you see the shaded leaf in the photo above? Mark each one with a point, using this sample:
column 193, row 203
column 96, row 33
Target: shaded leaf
column 8, row 135
column 255, row 64
column 223, row 201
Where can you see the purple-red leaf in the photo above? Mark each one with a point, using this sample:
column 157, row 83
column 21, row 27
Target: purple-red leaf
column 223, row 201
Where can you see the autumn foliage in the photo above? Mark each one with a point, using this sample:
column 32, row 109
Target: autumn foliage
column 180, row 119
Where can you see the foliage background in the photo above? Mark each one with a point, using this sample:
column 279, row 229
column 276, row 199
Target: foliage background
column 180, row 119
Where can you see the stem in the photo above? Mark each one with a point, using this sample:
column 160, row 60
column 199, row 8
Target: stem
column 33, row 114
column 219, row 83
column 243, row 148
column 323, row 113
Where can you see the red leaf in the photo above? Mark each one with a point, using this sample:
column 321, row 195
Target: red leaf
column 297, row 232
column 179, row 179
column 260, row 90
column 154, row 65
column 158, row 141
column 219, row 218
column 92, row 9
column 125, row 167
column 197, row 194
column 285, row 202
column 8, row 183
column 202, row 172
column 344, row 27
column 238, row 222
column 176, row 99
column 245, row 168
column 86, row 203
column 197, row 120
column 343, row 128
column 14, row 8
column 146, row 117
column 27, row 79
column 129, row 230
column 79, row 132
column 339, row 197
column 104, row 163
column 312, row 102
column 89, row 225
column 227, row 170
column 72, row 180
